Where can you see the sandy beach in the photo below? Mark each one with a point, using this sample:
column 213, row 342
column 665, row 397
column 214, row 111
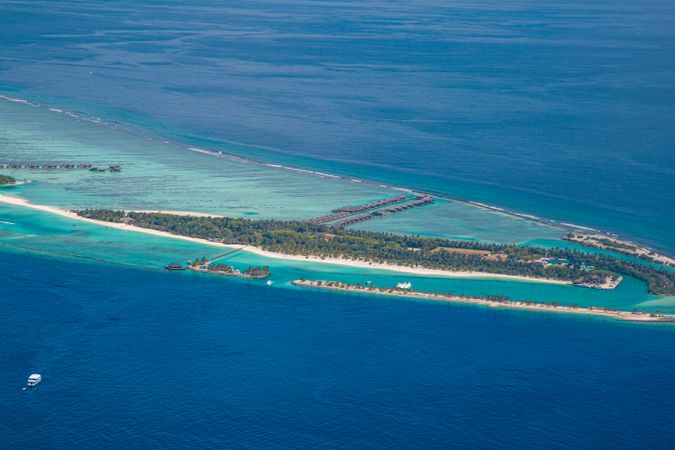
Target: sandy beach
column 529, row 306
column 17, row 201
column 404, row 269
column 628, row 248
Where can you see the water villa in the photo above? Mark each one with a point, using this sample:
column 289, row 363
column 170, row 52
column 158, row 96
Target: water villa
column 58, row 166
column 175, row 266
column 420, row 200
column 350, row 210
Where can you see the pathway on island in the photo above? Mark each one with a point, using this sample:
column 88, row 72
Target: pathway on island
column 222, row 255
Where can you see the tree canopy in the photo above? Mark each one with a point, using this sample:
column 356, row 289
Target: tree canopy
column 304, row 238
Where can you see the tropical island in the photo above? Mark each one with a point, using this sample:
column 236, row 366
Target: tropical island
column 491, row 301
column 208, row 266
column 606, row 242
column 320, row 241
column 6, row 179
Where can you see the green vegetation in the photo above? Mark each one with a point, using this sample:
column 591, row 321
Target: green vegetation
column 626, row 248
column 199, row 262
column 596, row 241
column 221, row 268
column 252, row 272
column 6, row 179
column 304, row 238
column 492, row 298
column 615, row 245
column 258, row 272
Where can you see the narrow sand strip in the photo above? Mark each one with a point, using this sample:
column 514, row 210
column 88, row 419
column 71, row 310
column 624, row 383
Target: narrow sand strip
column 17, row 201
column 508, row 304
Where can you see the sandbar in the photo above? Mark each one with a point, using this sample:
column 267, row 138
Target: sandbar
column 634, row 316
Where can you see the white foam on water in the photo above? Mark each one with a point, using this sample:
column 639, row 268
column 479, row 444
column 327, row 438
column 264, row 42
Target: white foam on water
column 327, row 175
column 577, row 226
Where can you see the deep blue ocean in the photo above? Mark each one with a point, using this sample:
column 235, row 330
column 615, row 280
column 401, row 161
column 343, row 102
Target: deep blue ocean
column 561, row 109
column 143, row 359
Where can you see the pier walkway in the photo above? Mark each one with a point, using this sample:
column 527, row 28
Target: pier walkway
column 222, row 255
column 346, row 211
column 420, row 200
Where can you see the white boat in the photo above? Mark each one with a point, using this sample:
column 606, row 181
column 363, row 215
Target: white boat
column 407, row 285
column 269, row 283
column 34, row 379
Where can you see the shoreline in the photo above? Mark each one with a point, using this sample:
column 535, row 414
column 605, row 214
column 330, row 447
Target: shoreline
column 135, row 130
column 614, row 244
column 18, row 201
column 504, row 304
column 403, row 269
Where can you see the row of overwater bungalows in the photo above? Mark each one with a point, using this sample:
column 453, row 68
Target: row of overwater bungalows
column 345, row 211
column 420, row 200
column 61, row 166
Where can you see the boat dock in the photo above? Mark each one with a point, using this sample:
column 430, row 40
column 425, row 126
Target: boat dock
column 204, row 265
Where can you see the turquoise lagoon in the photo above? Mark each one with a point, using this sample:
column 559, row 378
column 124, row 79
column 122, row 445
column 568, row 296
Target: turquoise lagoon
column 26, row 230
column 160, row 174
column 155, row 175
column 563, row 110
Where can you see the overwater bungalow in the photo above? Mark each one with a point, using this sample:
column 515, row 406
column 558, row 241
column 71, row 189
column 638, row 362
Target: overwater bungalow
column 346, row 213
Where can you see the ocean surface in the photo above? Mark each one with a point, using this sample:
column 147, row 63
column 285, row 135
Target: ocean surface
column 165, row 175
column 560, row 109
column 565, row 110
column 141, row 359
column 43, row 234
